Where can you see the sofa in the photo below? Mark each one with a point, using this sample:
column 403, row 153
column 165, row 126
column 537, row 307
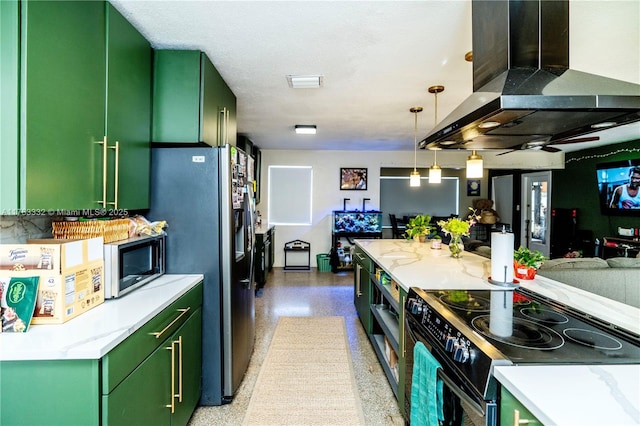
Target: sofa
column 616, row 278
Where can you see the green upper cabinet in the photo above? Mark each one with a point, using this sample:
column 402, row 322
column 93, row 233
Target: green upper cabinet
column 62, row 103
column 191, row 101
column 74, row 74
column 9, row 92
column 128, row 124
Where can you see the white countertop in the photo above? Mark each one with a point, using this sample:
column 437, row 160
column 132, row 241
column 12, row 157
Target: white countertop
column 576, row 394
column 262, row 229
column 94, row 333
column 413, row 264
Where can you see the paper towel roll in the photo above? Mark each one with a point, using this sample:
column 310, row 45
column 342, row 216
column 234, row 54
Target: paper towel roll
column 502, row 257
column 501, row 317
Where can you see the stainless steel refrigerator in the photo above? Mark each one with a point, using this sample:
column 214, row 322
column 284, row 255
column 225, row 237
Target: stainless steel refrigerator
column 204, row 195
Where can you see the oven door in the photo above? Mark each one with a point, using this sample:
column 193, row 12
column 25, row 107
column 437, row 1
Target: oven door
column 460, row 406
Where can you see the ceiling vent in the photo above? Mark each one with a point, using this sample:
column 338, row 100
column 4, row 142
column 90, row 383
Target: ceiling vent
column 305, row 81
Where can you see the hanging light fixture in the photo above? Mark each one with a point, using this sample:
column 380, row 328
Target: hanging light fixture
column 414, row 177
column 474, row 165
column 435, row 172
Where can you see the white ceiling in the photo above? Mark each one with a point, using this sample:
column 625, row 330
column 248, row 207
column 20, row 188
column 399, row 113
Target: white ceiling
column 377, row 59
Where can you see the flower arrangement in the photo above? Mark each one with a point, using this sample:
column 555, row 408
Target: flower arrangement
column 457, row 227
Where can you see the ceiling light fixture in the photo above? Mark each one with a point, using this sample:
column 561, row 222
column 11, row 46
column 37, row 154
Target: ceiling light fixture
column 414, row 177
column 305, row 129
column 435, row 172
column 474, row 165
column 305, row 81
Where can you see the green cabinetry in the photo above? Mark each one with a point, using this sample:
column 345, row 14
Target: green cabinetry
column 62, row 103
column 79, row 62
column 513, row 413
column 362, row 266
column 191, row 101
column 128, row 126
column 151, row 378
column 379, row 302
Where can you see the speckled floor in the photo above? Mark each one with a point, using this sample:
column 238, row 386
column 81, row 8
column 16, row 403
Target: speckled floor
column 310, row 294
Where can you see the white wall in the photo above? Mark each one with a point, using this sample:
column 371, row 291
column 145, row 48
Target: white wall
column 327, row 195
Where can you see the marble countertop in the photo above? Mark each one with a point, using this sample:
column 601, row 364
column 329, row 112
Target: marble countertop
column 94, row 333
column 576, row 394
column 413, row 264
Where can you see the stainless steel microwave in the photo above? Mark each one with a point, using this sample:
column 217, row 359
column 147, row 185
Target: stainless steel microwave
column 131, row 263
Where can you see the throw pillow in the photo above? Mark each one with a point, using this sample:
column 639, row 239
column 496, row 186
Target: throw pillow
column 575, row 263
column 624, row 262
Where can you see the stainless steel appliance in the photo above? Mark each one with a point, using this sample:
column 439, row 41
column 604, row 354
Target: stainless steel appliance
column 131, row 263
column 525, row 96
column 470, row 332
column 206, row 198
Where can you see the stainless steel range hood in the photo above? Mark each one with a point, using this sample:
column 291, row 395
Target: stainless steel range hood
column 524, row 94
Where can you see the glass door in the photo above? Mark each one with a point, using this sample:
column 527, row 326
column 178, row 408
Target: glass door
column 536, row 198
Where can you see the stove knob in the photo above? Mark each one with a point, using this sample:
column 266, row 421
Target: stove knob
column 461, row 354
column 416, row 307
column 450, row 343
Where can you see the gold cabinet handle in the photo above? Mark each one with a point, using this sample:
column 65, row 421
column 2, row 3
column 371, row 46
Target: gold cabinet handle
column 104, row 172
column 159, row 334
column 179, row 342
column 116, row 147
column 172, row 405
column 357, row 278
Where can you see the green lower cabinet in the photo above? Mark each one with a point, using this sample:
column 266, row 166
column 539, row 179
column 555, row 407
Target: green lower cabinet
column 173, row 369
column 512, row 412
column 54, row 393
column 362, row 288
column 401, row 355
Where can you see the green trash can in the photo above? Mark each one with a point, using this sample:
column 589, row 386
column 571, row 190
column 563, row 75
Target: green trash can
column 324, row 262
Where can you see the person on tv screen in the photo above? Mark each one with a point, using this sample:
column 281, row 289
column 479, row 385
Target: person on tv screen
column 626, row 196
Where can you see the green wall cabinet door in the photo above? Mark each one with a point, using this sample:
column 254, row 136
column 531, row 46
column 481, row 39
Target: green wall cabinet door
column 129, row 61
column 191, row 101
column 63, row 103
column 9, row 113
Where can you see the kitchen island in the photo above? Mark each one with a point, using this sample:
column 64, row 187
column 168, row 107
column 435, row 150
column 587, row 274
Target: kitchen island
column 411, row 264
column 115, row 364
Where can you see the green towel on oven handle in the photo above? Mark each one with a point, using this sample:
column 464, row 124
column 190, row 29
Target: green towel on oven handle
column 426, row 389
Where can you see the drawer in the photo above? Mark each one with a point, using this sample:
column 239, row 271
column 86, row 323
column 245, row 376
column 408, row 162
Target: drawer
column 364, row 259
column 124, row 358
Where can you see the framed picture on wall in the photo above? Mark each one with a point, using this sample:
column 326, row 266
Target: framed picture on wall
column 354, row 178
column 473, row 187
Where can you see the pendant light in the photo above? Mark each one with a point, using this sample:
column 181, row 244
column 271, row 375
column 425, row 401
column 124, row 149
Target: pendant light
column 414, row 177
column 435, row 172
column 474, row 165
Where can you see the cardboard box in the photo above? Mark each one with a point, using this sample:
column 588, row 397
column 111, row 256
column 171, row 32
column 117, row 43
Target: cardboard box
column 71, row 275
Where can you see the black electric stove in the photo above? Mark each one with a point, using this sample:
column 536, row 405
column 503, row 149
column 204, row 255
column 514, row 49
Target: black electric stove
column 471, row 331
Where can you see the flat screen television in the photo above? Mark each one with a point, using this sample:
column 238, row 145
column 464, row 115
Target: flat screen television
column 618, row 184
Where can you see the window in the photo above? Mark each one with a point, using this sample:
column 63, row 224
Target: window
column 290, row 195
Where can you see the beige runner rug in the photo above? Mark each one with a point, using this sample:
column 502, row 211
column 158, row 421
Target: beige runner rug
column 307, row 376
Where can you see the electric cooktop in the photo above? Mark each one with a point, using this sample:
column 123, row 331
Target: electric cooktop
column 527, row 328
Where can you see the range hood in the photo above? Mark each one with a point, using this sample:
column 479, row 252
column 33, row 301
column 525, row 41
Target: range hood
column 524, row 94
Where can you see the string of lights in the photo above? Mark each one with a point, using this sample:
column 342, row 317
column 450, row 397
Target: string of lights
column 591, row 157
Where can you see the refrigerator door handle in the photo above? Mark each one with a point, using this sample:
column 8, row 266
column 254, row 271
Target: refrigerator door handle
column 252, row 229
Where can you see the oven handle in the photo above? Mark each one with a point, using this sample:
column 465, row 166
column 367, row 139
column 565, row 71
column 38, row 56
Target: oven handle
column 450, row 383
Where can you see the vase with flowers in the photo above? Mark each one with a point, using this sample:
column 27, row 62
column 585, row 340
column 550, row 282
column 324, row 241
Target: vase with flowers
column 458, row 228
